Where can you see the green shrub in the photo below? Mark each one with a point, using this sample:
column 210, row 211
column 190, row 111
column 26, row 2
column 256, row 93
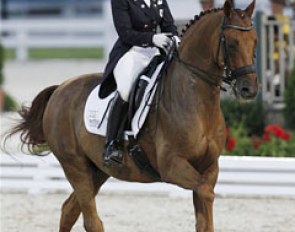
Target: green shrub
column 289, row 111
column 9, row 103
column 275, row 142
column 250, row 114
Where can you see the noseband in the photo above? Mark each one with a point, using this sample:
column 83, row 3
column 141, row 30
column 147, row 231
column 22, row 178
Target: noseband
column 230, row 75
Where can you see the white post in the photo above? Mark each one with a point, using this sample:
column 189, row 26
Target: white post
column 22, row 47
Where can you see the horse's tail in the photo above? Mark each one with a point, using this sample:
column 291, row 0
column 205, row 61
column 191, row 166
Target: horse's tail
column 31, row 126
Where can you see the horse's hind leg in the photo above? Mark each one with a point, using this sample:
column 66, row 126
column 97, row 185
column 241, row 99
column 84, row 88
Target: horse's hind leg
column 86, row 180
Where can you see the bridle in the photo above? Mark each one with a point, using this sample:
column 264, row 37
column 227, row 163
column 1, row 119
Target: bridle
column 230, row 75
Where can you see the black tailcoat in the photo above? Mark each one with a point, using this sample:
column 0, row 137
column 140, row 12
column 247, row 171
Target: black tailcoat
column 136, row 24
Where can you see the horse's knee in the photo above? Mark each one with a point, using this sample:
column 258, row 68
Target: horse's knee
column 206, row 192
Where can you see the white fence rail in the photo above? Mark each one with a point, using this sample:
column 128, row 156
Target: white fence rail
column 277, row 57
column 22, row 35
column 238, row 176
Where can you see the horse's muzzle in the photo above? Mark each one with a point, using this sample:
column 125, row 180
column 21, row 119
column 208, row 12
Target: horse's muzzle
column 247, row 88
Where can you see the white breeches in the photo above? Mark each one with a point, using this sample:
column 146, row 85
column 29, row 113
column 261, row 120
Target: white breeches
column 130, row 66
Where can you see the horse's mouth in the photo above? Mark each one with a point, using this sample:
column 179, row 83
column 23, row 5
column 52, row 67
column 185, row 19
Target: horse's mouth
column 246, row 89
column 248, row 93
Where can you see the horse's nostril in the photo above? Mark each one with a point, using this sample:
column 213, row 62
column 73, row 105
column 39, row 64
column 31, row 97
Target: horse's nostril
column 245, row 90
column 248, row 92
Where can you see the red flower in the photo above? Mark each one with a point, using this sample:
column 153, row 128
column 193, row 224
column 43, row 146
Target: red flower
column 231, row 143
column 277, row 131
column 273, row 129
column 286, row 136
column 265, row 137
column 256, row 143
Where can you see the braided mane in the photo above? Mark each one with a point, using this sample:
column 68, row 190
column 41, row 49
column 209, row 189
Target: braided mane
column 197, row 18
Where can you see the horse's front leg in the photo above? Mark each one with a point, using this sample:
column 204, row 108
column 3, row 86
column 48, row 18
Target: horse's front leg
column 179, row 171
column 202, row 203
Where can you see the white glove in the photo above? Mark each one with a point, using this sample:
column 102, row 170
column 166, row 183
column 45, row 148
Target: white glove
column 162, row 41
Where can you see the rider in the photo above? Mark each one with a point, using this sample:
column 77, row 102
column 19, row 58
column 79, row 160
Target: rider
column 143, row 26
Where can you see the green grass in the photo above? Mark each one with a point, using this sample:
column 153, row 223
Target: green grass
column 9, row 53
column 60, row 53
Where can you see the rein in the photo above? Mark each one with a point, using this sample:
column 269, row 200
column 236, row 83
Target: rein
column 230, row 75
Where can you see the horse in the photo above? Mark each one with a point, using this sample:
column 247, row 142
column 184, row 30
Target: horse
column 184, row 133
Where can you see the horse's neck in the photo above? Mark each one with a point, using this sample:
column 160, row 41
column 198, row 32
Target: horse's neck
column 186, row 98
column 200, row 42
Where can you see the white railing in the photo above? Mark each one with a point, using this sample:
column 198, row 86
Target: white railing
column 22, row 35
column 277, row 58
column 238, row 176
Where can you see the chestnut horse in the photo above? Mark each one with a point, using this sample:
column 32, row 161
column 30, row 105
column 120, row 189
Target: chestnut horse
column 183, row 138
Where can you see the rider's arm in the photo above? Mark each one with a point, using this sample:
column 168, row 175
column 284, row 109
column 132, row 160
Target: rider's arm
column 167, row 22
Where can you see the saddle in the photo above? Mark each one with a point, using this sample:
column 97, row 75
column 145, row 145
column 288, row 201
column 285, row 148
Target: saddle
column 142, row 80
column 140, row 99
column 137, row 91
column 135, row 101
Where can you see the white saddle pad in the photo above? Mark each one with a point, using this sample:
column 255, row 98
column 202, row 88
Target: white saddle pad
column 96, row 116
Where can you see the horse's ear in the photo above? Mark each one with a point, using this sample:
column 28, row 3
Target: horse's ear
column 227, row 8
column 250, row 9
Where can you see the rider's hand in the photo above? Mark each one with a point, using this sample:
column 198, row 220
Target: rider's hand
column 163, row 41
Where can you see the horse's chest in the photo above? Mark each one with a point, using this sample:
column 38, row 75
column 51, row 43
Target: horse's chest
column 207, row 148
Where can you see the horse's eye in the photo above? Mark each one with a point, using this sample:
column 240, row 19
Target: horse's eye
column 232, row 46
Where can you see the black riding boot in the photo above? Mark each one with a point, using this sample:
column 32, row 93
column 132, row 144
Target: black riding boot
column 113, row 154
